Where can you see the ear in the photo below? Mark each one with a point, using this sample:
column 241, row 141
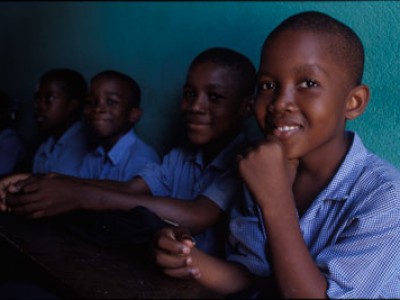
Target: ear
column 135, row 114
column 247, row 108
column 357, row 101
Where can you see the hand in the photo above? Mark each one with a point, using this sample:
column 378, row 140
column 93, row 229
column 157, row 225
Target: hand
column 41, row 196
column 173, row 253
column 267, row 172
column 7, row 186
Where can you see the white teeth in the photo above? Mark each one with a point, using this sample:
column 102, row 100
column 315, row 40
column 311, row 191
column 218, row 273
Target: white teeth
column 287, row 128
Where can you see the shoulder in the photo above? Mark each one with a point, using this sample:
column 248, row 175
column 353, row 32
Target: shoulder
column 378, row 184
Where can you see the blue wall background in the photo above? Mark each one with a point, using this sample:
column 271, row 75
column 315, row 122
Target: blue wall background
column 155, row 41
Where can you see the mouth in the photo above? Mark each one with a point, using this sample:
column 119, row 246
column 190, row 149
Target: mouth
column 286, row 131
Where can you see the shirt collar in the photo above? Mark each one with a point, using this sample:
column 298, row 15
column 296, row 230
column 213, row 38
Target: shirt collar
column 68, row 134
column 224, row 159
column 77, row 126
column 340, row 186
column 118, row 151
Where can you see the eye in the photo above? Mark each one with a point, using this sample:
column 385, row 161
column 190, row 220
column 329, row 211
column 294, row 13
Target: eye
column 50, row 98
column 214, row 97
column 189, row 94
column 269, row 85
column 111, row 102
column 306, row 84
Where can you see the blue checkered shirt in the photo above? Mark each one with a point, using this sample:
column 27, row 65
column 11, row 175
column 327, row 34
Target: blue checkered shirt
column 352, row 229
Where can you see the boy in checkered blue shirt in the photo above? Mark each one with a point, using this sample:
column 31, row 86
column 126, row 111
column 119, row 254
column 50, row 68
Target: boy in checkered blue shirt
column 320, row 216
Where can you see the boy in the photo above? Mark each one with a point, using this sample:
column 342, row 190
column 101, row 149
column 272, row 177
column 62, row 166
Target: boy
column 59, row 101
column 193, row 185
column 321, row 214
column 12, row 147
column 111, row 111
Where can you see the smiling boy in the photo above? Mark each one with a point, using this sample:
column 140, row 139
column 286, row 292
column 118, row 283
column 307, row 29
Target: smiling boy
column 321, row 214
column 111, row 112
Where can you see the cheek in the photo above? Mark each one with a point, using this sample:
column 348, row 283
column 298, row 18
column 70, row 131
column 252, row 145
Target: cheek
column 260, row 110
column 184, row 105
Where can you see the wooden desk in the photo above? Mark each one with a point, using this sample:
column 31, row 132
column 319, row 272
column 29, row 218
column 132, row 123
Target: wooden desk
column 77, row 269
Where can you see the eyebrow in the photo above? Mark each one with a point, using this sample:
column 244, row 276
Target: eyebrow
column 112, row 94
column 310, row 67
column 300, row 69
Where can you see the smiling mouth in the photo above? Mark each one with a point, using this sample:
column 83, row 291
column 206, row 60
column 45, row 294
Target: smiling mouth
column 284, row 132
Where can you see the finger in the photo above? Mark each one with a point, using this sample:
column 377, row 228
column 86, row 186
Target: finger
column 183, row 235
column 3, row 194
column 28, row 211
column 27, row 186
column 3, row 206
column 183, row 273
column 171, row 245
column 14, row 200
column 168, row 260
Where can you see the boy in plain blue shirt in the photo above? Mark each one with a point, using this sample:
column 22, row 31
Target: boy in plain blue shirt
column 321, row 214
column 111, row 111
column 59, row 101
column 12, row 147
column 194, row 185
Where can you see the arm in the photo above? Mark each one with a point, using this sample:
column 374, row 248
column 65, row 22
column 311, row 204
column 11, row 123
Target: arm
column 177, row 257
column 41, row 197
column 270, row 176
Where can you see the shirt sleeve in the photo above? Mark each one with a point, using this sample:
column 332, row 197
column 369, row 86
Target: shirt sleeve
column 224, row 190
column 11, row 150
column 158, row 177
column 365, row 259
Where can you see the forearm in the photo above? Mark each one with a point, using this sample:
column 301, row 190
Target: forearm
column 219, row 275
column 295, row 271
column 195, row 215
column 136, row 185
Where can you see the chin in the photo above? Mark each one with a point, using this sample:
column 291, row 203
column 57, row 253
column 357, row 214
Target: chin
column 198, row 140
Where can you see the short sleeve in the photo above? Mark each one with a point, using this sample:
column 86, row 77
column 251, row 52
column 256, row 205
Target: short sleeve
column 224, row 190
column 159, row 177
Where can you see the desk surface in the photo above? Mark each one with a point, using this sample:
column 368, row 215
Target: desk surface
column 90, row 271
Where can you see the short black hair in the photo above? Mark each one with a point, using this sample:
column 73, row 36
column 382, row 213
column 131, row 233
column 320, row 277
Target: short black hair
column 346, row 46
column 129, row 81
column 72, row 83
column 239, row 64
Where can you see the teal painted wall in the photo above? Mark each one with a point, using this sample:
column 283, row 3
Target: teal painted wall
column 155, row 42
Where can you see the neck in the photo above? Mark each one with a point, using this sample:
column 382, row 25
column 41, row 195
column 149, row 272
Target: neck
column 211, row 150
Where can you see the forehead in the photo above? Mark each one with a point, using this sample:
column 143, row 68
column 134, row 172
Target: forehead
column 52, row 85
column 296, row 48
column 110, row 83
column 211, row 75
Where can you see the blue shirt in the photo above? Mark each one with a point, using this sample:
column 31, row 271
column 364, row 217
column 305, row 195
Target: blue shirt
column 352, row 229
column 64, row 155
column 12, row 150
column 183, row 175
column 124, row 160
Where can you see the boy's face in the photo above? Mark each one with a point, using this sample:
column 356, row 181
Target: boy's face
column 302, row 92
column 53, row 109
column 108, row 108
column 211, row 104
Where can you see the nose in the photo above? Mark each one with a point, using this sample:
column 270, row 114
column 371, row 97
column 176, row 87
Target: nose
column 98, row 105
column 283, row 100
column 198, row 104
